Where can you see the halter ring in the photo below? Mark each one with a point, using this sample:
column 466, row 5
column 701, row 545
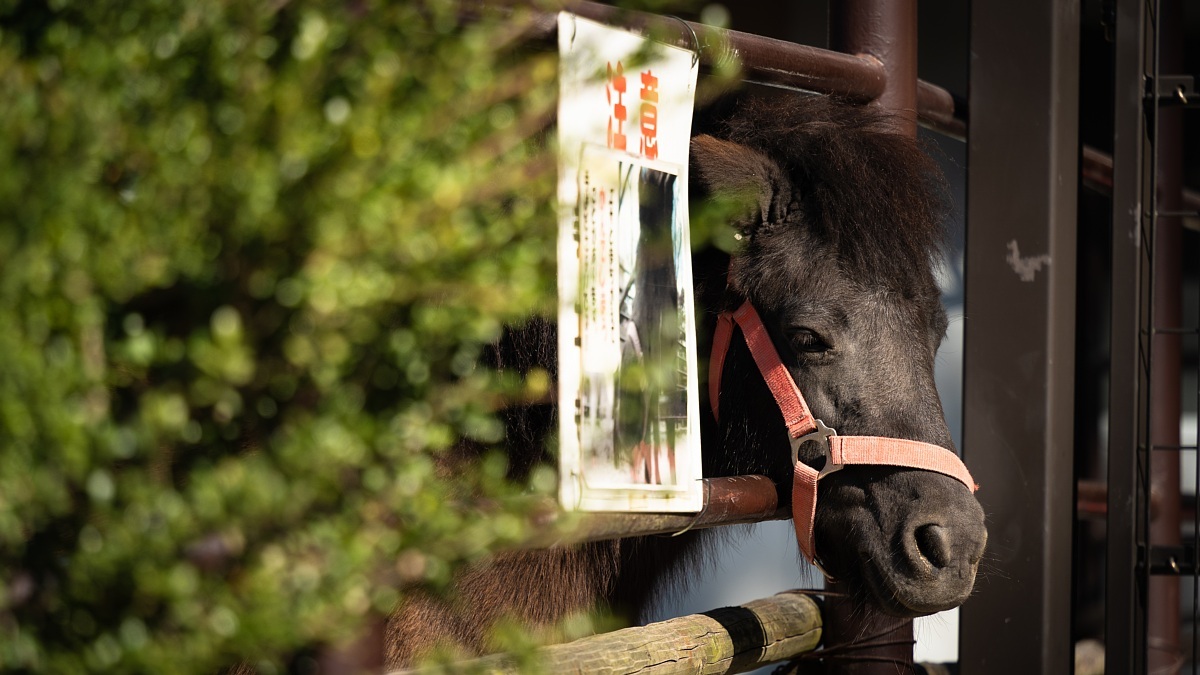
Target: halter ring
column 821, row 434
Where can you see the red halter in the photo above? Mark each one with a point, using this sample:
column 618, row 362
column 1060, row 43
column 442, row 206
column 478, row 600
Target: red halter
column 802, row 426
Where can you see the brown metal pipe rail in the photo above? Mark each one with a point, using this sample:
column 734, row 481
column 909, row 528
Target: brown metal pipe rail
column 775, row 63
column 884, row 30
column 937, row 110
column 763, row 60
column 727, row 501
column 1096, row 169
column 1091, row 501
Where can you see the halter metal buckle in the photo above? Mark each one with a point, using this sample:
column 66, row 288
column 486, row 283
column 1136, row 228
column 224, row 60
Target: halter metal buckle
column 821, row 433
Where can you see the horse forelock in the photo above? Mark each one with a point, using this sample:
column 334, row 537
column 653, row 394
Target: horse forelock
column 873, row 196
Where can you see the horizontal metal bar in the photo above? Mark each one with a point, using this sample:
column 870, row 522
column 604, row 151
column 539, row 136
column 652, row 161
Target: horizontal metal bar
column 1173, row 560
column 938, row 110
column 772, row 62
column 1091, row 500
column 763, row 60
column 727, row 501
column 1097, row 170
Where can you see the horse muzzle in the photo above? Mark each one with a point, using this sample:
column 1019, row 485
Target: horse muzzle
column 936, row 562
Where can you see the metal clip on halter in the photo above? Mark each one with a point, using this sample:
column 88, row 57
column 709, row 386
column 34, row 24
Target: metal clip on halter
column 821, row 433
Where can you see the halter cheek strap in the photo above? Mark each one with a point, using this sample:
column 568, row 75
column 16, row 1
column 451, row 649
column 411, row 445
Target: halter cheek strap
column 802, row 426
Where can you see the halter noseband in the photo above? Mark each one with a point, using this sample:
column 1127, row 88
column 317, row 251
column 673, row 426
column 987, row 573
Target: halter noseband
column 802, row 426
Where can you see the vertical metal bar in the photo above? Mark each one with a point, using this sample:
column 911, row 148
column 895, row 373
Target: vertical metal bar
column 1018, row 400
column 1165, row 411
column 1128, row 491
column 886, row 30
column 1195, row 450
column 1190, row 241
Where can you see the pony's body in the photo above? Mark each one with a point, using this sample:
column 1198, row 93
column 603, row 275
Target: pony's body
column 843, row 225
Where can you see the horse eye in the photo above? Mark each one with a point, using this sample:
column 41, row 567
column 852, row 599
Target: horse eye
column 807, row 341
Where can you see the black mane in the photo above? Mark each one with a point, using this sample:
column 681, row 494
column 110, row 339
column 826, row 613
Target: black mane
column 850, row 171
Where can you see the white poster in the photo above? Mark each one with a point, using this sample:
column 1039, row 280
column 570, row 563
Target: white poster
column 628, row 403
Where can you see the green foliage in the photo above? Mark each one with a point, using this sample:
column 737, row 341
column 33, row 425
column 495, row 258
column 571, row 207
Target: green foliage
column 252, row 253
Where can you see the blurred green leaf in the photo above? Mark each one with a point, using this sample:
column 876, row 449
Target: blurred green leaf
column 252, row 254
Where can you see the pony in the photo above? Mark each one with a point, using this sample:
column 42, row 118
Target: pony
column 841, row 222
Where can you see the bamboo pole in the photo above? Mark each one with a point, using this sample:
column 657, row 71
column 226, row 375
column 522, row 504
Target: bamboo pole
column 727, row 640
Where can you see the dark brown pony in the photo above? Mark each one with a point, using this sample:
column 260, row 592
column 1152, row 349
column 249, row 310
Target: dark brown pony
column 842, row 228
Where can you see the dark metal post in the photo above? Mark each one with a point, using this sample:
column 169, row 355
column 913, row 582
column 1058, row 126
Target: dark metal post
column 1018, row 397
column 1128, row 473
column 886, row 30
column 1166, row 351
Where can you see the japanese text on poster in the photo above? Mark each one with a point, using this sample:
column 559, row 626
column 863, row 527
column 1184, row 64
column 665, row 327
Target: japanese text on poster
column 629, row 412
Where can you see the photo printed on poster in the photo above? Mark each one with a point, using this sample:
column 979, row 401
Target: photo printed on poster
column 629, row 412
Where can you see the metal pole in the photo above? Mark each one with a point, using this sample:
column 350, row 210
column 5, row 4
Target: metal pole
column 1166, row 352
column 885, row 30
column 763, row 60
column 778, row 63
column 727, row 501
column 1018, row 365
column 1125, row 592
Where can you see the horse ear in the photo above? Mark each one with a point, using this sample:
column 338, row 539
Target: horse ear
column 743, row 175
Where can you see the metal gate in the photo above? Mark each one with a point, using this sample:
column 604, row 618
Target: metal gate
column 1153, row 532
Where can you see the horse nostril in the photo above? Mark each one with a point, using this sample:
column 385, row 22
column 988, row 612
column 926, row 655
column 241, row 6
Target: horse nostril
column 933, row 541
